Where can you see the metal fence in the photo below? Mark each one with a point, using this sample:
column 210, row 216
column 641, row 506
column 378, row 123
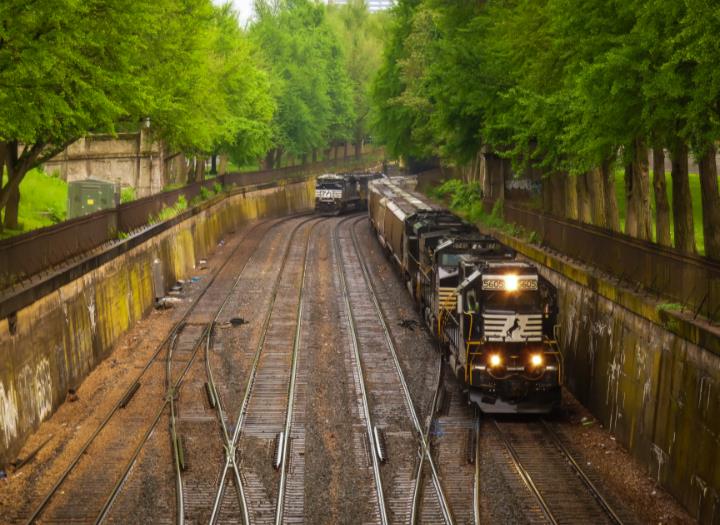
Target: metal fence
column 39, row 251
column 692, row 282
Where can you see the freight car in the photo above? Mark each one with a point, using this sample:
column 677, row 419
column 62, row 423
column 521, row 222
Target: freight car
column 336, row 193
column 494, row 316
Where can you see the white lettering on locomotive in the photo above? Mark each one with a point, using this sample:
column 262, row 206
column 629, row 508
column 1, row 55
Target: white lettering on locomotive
column 328, row 194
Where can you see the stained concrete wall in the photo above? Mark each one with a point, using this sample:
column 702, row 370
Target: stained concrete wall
column 131, row 159
column 642, row 373
column 63, row 336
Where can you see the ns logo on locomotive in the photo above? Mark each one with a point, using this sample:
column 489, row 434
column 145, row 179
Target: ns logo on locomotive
column 494, row 316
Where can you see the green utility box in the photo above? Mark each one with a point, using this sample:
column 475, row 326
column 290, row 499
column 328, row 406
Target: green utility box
column 90, row 195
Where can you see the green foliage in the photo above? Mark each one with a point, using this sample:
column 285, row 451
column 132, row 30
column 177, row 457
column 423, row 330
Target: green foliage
column 169, row 212
column 205, row 193
column 43, row 202
column 360, row 35
column 127, row 195
column 309, row 83
column 218, row 188
column 558, row 85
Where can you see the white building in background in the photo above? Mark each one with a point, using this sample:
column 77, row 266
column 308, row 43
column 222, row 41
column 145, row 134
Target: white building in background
column 373, row 5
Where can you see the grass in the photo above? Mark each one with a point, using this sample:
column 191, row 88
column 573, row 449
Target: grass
column 43, row 202
column 696, row 202
column 169, row 212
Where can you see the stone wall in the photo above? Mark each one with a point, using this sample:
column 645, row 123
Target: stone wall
column 641, row 370
column 131, row 159
column 63, row 336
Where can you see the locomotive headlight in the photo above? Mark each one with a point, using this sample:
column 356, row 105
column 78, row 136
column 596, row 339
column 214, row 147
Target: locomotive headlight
column 511, row 283
column 495, row 360
column 536, row 360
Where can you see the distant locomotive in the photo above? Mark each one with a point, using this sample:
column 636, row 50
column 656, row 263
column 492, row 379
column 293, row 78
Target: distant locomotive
column 494, row 316
column 337, row 193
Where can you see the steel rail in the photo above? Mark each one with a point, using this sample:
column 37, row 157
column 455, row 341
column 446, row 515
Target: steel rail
column 291, row 387
column 170, row 393
column 172, row 390
column 180, row 517
column 419, row 473
column 363, row 392
column 604, row 504
column 476, row 488
column 447, row 515
column 525, row 475
column 101, row 426
column 231, row 442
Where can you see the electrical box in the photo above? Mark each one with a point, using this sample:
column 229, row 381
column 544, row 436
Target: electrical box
column 90, row 195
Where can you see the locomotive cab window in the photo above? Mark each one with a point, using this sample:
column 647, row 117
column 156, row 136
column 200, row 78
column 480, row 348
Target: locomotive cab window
column 522, row 302
column 329, row 185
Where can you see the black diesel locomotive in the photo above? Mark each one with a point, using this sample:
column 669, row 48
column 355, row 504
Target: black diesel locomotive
column 337, row 193
column 494, row 316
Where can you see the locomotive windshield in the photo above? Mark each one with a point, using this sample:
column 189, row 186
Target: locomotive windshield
column 329, row 185
column 450, row 259
column 521, row 302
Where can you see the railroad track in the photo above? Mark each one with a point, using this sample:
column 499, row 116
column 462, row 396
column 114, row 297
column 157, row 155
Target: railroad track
column 562, row 489
column 387, row 406
column 266, row 409
column 88, row 486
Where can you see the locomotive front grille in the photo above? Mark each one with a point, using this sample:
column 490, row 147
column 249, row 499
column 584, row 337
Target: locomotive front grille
column 512, row 327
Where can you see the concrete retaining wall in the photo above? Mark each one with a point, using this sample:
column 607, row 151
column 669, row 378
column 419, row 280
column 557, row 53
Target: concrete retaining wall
column 655, row 389
column 62, row 337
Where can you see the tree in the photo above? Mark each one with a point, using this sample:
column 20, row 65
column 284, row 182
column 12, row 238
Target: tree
column 66, row 68
column 308, row 81
column 360, row 35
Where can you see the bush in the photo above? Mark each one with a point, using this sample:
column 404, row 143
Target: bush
column 127, row 195
column 205, row 193
column 169, row 212
column 217, row 188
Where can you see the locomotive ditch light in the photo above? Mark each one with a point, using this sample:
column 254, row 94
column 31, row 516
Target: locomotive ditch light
column 511, row 282
column 495, row 360
column 536, row 360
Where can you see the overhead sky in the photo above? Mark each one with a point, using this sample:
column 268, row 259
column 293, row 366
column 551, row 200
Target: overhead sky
column 244, row 7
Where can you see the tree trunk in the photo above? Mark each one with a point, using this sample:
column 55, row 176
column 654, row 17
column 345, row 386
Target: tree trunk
column 10, row 192
column 358, row 148
column 612, row 216
column 345, row 150
column 270, row 159
column 571, row 196
column 584, row 200
column 682, row 201
column 213, row 164
column 662, row 206
column 631, row 219
column 199, row 168
column 641, row 184
column 222, row 164
column 304, row 159
column 11, row 210
column 558, row 193
column 314, row 155
column 710, row 203
column 547, row 194
column 278, row 158
column 596, row 195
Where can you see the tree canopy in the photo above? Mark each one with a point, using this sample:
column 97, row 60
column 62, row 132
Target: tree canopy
column 565, row 88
